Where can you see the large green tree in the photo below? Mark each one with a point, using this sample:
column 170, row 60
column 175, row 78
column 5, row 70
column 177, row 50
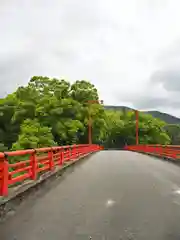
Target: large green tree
column 51, row 111
column 122, row 129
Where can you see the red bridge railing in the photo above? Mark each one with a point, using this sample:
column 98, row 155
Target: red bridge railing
column 168, row 151
column 18, row 166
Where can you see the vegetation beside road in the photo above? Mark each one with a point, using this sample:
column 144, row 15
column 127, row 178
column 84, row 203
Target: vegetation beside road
column 50, row 111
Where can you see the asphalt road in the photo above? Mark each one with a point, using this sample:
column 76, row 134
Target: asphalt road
column 113, row 195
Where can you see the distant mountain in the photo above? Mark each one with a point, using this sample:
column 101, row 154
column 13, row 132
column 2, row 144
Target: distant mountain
column 118, row 108
column 168, row 118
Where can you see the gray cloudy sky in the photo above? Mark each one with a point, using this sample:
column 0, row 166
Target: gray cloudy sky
column 129, row 49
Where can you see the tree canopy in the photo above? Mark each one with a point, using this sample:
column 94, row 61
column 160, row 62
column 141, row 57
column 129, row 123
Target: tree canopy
column 50, row 111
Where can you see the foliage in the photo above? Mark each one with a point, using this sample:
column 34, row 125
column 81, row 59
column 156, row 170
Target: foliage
column 49, row 111
column 167, row 118
column 122, row 127
column 33, row 135
column 173, row 130
column 3, row 148
column 8, row 129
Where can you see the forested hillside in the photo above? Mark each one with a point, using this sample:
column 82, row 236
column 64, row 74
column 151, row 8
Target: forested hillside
column 50, row 112
column 168, row 118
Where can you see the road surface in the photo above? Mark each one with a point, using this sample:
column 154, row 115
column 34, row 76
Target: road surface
column 113, row 195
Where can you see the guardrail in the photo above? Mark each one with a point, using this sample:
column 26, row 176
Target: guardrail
column 19, row 166
column 168, row 151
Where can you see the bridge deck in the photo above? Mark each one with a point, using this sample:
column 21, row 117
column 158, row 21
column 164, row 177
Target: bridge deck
column 114, row 195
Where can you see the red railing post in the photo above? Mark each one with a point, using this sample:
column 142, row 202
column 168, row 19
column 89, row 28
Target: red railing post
column 51, row 160
column 60, row 157
column 157, row 149
column 31, row 167
column 137, row 127
column 165, row 150
column 70, row 153
column 174, row 155
column 77, row 152
column 162, row 150
column 4, row 176
column 74, row 152
column 34, row 165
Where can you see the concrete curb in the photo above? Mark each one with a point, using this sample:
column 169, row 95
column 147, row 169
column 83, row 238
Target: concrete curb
column 17, row 195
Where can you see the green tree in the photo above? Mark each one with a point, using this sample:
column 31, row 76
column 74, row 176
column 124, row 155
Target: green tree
column 83, row 91
column 8, row 129
column 33, row 135
column 52, row 111
column 173, row 130
column 123, row 129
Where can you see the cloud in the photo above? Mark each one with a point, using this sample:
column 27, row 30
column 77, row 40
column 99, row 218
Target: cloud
column 163, row 86
column 23, row 64
column 129, row 49
column 170, row 79
column 168, row 74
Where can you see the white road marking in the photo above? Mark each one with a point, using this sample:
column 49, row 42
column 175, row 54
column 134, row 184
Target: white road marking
column 110, row 203
column 177, row 191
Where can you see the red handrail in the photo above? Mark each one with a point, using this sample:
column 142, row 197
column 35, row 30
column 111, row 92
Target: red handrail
column 39, row 161
column 169, row 151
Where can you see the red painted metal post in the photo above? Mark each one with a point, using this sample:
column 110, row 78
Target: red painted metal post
column 31, row 165
column 60, row 157
column 77, row 152
column 51, row 160
column 70, row 153
column 74, row 152
column 34, row 166
column 174, row 155
column 68, row 156
column 137, row 127
column 4, row 177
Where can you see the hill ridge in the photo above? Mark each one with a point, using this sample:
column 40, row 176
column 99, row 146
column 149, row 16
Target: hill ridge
column 166, row 117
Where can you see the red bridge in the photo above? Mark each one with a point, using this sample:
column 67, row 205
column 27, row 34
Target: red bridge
column 109, row 195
